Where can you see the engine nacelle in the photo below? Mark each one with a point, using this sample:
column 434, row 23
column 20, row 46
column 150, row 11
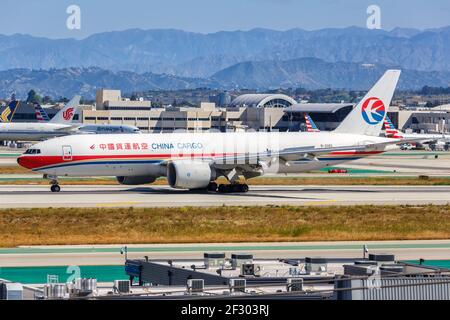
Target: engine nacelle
column 188, row 174
column 134, row 180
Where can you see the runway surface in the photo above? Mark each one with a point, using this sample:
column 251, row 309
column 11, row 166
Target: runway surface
column 29, row 196
column 110, row 254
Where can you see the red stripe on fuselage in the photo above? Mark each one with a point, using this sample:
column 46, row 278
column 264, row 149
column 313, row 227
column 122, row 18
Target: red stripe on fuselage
column 32, row 161
column 356, row 152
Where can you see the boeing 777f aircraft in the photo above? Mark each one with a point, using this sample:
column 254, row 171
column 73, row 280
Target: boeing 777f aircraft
column 196, row 160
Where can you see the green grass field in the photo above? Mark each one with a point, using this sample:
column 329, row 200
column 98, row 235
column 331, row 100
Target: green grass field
column 221, row 224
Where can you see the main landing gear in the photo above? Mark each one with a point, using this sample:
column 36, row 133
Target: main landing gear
column 227, row 188
column 233, row 188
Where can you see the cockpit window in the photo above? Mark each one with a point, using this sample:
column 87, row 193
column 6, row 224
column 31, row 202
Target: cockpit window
column 33, row 151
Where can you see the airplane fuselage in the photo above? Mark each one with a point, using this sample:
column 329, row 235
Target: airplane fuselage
column 33, row 131
column 144, row 154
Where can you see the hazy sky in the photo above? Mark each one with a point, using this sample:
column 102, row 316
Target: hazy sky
column 48, row 17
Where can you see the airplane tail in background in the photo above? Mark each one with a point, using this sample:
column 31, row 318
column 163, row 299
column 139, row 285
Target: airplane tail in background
column 368, row 116
column 390, row 130
column 310, row 125
column 65, row 115
column 41, row 114
column 8, row 114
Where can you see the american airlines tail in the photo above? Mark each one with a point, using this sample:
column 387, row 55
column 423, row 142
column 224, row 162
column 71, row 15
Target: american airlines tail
column 390, row 130
column 368, row 116
column 41, row 114
column 310, row 125
column 65, row 115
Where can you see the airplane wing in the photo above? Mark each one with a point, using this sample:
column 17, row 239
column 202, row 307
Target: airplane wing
column 69, row 128
column 288, row 154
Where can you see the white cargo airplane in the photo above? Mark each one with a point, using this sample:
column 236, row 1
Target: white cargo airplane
column 195, row 160
column 35, row 131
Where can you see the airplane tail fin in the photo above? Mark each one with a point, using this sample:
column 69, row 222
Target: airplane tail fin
column 310, row 125
column 8, row 114
column 390, row 130
column 65, row 115
column 41, row 114
column 368, row 115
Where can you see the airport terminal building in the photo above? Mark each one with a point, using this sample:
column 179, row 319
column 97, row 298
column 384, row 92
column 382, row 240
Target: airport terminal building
column 249, row 111
column 246, row 112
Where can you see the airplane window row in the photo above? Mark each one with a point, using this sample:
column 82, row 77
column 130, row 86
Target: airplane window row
column 33, row 151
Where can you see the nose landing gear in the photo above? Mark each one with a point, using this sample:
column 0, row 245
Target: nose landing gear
column 55, row 188
column 54, row 183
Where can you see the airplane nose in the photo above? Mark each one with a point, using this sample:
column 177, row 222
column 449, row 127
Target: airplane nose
column 26, row 162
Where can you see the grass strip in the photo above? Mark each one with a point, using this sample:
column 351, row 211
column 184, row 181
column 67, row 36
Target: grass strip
column 54, row 226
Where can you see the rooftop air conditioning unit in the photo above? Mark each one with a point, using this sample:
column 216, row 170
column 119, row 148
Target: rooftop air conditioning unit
column 11, row 291
column 195, row 285
column 238, row 259
column 237, row 285
column 294, row 284
column 122, row 286
column 214, row 259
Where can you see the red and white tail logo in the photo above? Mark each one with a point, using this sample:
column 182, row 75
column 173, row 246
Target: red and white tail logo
column 390, row 130
column 68, row 114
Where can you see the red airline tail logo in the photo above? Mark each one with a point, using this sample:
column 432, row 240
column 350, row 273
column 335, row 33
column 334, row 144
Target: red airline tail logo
column 68, row 114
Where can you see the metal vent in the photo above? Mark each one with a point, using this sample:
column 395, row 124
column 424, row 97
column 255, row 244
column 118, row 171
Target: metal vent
column 122, row 286
column 237, row 285
column 294, row 284
column 248, row 269
column 195, row 285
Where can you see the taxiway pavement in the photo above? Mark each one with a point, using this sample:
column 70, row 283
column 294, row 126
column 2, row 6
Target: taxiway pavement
column 31, row 196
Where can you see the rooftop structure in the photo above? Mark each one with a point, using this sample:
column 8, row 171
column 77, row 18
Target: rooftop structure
column 260, row 100
column 107, row 99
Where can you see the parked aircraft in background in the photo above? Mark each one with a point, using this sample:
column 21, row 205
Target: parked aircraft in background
column 35, row 131
column 436, row 141
column 392, row 132
column 309, row 124
column 195, row 160
column 60, row 125
column 8, row 113
column 42, row 116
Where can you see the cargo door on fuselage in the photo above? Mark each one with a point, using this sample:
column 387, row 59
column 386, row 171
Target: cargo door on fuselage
column 67, row 153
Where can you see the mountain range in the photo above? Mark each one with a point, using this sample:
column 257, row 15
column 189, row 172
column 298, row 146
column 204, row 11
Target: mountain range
column 190, row 54
column 313, row 73
column 137, row 60
column 310, row 73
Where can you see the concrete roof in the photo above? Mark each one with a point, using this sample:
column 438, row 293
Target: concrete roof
column 443, row 107
column 318, row 107
column 259, row 99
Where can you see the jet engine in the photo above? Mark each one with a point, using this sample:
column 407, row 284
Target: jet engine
column 190, row 174
column 134, row 180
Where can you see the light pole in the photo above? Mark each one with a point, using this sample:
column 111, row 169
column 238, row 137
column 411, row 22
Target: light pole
column 124, row 250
